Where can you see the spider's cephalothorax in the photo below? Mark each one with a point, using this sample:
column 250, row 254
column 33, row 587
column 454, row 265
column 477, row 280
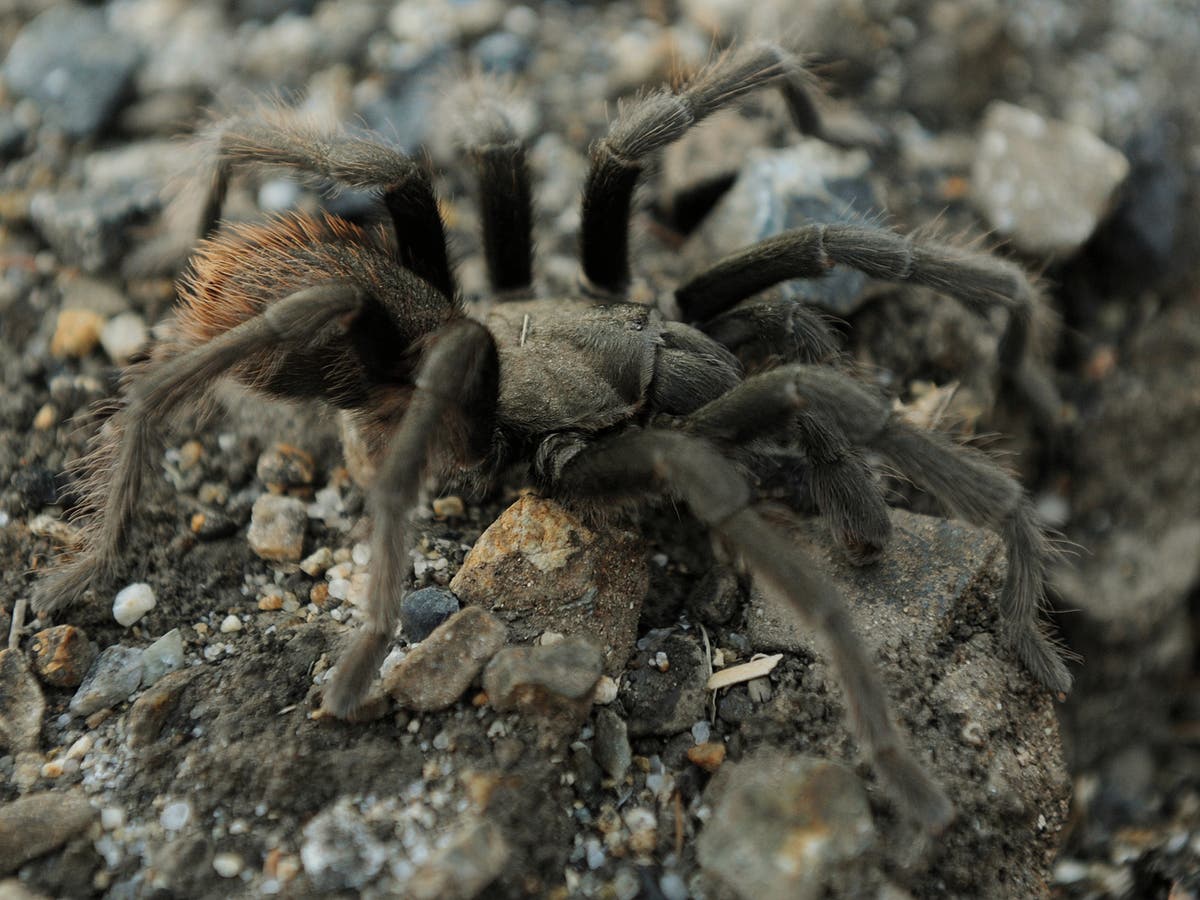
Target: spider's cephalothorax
column 607, row 401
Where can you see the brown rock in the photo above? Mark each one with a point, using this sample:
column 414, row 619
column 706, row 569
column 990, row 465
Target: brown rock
column 283, row 467
column 539, row 568
column 438, row 670
column 39, row 823
column 76, row 333
column 150, row 710
column 21, row 704
column 708, row 756
column 554, row 682
column 62, row 655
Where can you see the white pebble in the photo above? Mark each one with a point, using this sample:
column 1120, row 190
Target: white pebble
column 316, row 563
column 606, row 691
column 342, row 570
column 339, row 588
column 122, row 336
column 175, row 815
column 132, row 602
column 80, row 748
column 230, row 624
column 112, row 818
column 701, row 732
column 361, row 554
column 227, row 865
column 163, row 656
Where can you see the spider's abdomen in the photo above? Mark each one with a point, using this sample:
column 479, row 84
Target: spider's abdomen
column 245, row 268
column 572, row 365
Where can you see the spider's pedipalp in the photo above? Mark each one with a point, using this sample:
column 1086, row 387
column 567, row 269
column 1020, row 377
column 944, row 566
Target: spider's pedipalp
column 648, row 125
column 491, row 140
column 120, row 460
column 771, row 332
column 450, row 413
column 641, row 463
column 275, row 139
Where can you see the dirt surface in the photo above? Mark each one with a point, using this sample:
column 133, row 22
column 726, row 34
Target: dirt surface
column 221, row 778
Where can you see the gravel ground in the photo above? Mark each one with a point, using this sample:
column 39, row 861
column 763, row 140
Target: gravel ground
column 165, row 739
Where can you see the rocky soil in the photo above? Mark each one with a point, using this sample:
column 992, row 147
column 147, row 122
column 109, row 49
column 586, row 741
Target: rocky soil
column 547, row 724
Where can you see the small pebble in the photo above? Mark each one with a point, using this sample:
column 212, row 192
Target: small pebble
column 272, row 602
column 361, row 554
column 424, row 610
column 132, row 602
column 315, row 564
column 277, row 527
column 122, row 336
column 230, row 624
column 46, row 417
column 283, row 466
column 112, row 818
column 62, row 655
column 606, row 691
column 76, row 333
column 175, row 815
column 227, row 865
column 708, row 756
column 448, row 507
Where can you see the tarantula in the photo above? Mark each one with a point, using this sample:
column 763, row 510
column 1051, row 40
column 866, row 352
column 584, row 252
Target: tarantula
column 608, row 402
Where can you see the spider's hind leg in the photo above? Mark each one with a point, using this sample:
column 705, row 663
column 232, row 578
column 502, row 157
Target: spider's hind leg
column 119, row 462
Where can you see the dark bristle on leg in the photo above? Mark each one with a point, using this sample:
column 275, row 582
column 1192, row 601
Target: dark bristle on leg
column 456, row 390
column 646, row 126
column 491, row 141
column 120, row 462
column 648, row 462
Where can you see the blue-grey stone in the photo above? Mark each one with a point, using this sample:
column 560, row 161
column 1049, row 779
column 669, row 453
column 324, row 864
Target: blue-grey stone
column 73, row 67
column 424, row 610
column 777, row 190
column 502, row 53
column 116, row 673
column 89, row 228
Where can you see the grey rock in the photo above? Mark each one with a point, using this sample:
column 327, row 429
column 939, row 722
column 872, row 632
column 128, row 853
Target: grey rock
column 468, row 862
column 777, row 190
column 116, row 673
column 424, row 610
column 339, row 851
column 21, row 704
column 716, row 597
column 39, row 823
column 73, row 67
column 539, row 568
column 1047, row 184
column 89, row 228
column 435, row 673
column 12, row 136
column 545, row 678
column 611, row 747
column 277, row 526
column 163, row 656
column 787, row 827
column 667, row 702
column 502, row 53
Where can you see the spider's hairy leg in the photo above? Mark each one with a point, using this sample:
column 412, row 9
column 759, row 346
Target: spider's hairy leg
column 640, row 464
column 277, row 138
column 646, row 126
column 119, row 463
column 451, row 412
column 970, row 485
column 490, row 138
column 843, row 486
column 979, row 281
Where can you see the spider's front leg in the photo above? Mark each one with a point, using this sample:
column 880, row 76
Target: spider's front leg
column 117, row 463
column 451, row 414
column 640, row 465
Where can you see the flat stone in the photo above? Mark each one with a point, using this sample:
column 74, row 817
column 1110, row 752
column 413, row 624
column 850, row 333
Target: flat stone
column 39, row 823
column 163, row 656
column 73, row 67
column 611, row 747
column 786, row 827
column 908, row 596
column 62, row 655
column 277, row 526
column 777, row 190
column 547, row 680
column 1046, row 184
column 436, row 672
column 539, row 568
column 21, row 704
column 116, row 673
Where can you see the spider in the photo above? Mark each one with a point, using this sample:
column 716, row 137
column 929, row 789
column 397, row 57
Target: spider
column 608, row 402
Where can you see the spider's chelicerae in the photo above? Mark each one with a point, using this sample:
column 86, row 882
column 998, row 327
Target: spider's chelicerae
column 606, row 401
